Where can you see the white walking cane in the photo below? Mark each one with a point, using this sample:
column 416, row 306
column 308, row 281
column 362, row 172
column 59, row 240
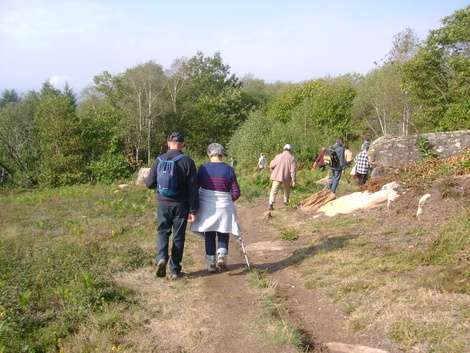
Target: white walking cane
column 244, row 253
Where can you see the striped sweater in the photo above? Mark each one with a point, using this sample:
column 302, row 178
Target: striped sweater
column 219, row 177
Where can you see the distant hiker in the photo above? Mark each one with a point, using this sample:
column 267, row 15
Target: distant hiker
column 363, row 166
column 175, row 211
column 283, row 171
column 261, row 162
column 366, row 142
column 348, row 156
column 319, row 162
column 233, row 162
column 217, row 216
column 338, row 168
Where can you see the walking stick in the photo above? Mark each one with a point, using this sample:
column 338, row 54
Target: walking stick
column 244, row 253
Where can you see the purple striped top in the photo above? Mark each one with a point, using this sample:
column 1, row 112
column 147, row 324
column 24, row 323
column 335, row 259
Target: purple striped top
column 219, row 177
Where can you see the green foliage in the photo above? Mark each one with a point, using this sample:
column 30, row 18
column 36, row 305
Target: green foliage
column 110, row 167
column 61, row 144
column 289, row 234
column 425, row 147
column 123, row 120
column 254, row 185
column 249, row 140
column 59, row 258
column 8, row 96
column 308, row 117
column 438, row 77
column 19, row 141
column 215, row 101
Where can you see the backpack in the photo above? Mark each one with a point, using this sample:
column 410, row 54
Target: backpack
column 167, row 176
column 330, row 158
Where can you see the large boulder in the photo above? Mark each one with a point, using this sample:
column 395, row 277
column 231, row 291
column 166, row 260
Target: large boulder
column 143, row 174
column 392, row 152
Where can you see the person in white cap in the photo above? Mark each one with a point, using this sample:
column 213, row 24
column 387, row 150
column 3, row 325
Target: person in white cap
column 283, row 172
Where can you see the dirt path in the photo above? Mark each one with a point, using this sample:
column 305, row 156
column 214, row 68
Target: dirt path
column 205, row 312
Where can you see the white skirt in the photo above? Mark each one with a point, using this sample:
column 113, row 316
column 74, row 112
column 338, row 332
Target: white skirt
column 216, row 213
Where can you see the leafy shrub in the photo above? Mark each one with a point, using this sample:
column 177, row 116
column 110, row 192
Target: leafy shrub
column 110, row 167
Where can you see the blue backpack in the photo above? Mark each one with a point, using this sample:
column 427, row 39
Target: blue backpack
column 167, row 176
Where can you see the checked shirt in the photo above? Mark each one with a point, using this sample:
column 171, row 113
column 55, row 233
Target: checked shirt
column 362, row 163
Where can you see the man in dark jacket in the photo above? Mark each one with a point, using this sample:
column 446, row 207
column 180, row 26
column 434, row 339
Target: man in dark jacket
column 174, row 212
column 337, row 169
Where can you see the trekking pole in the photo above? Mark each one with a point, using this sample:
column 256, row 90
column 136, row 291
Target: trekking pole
column 244, row 253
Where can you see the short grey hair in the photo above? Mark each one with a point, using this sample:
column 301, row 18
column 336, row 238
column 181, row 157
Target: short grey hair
column 215, row 149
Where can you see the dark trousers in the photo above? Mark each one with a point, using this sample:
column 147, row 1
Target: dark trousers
column 222, row 241
column 172, row 218
column 362, row 178
column 334, row 181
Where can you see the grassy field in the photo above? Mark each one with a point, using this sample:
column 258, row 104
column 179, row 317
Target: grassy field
column 61, row 248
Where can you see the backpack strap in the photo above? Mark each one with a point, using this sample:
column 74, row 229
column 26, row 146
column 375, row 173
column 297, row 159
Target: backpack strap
column 176, row 159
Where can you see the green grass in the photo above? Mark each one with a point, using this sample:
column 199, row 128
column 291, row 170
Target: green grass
column 59, row 250
column 415, row 293
column 272, row 328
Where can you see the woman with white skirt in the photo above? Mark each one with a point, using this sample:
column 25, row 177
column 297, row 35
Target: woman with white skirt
column 216, row 217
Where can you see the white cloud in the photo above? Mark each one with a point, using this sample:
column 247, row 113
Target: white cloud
column 58, row 81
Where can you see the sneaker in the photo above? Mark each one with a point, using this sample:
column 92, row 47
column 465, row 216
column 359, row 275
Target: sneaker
column 211, row 267
column 211, row 261
column 222, row 262
column 271, row 207
column 161, row 268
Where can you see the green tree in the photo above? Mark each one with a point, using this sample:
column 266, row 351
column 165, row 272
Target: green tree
column 143, row 105
column 68, row 92
column 307, row 115
column 382, row 105
column 19, row 141
column 61, row 154
column 214, row 101
column 438, row 78
column 8, row 96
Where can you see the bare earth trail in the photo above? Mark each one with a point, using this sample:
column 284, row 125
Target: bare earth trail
column 220, row 312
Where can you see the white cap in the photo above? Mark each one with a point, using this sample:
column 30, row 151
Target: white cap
column 288, row 147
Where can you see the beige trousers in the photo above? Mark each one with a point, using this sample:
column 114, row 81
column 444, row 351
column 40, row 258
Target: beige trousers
column 275, row 189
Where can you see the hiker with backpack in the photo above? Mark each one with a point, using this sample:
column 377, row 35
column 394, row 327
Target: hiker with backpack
column 334, row 159
column 217, row 216
column 174, row 175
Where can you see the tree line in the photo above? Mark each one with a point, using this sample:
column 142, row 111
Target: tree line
column 121, row 122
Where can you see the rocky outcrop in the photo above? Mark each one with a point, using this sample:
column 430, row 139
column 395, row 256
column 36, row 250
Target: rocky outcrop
column 392, row 152
column 361, row 201
column 143, row 173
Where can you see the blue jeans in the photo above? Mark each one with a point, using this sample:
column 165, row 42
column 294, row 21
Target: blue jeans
column 222, row 241
column 176, row 218
column 334, row 181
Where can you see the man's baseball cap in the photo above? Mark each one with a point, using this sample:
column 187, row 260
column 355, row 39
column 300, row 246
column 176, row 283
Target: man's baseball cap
column 176, row 137
column 288, row 147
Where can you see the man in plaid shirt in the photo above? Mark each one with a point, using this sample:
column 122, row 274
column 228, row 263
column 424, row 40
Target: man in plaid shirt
column 363, row 166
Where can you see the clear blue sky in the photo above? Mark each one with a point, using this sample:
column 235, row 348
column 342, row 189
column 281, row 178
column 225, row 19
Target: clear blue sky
column 274, row 40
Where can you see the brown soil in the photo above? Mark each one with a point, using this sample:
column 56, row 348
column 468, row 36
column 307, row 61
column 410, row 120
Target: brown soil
column 234, row 321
